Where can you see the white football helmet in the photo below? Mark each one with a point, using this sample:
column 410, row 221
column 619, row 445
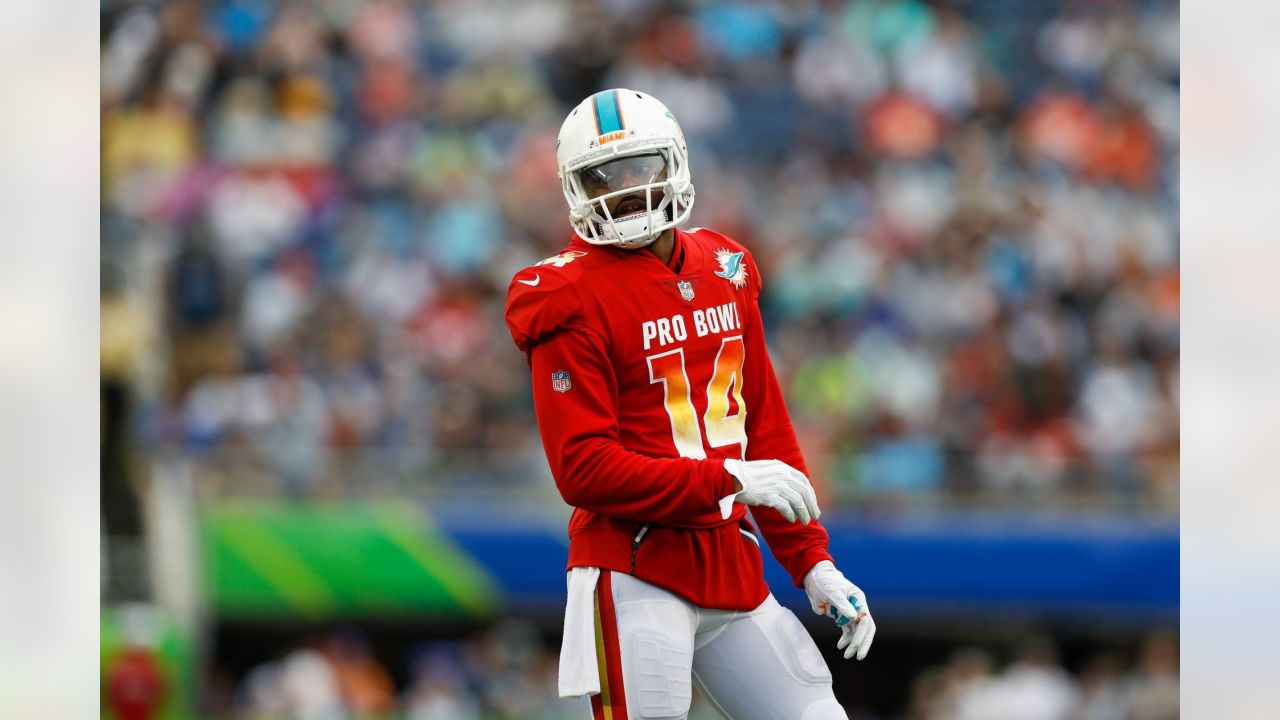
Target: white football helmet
column 622, row 142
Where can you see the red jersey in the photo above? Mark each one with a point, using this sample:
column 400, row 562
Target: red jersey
column 646, row 377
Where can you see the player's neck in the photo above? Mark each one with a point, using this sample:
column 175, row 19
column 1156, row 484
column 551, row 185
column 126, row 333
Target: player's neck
column 664, row 245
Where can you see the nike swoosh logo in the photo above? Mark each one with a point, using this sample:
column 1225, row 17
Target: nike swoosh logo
column 532, row 283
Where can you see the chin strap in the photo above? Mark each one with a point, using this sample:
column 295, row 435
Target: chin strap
column 638, row 227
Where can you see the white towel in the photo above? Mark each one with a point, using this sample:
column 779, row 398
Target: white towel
column 579, row 666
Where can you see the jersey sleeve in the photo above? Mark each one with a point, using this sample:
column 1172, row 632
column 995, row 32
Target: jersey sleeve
column 770, row 436
column 540, row 304
column 575, row 395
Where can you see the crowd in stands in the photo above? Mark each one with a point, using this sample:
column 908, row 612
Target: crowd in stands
column 966, row 214
column 1035, row 686
column 507, row 673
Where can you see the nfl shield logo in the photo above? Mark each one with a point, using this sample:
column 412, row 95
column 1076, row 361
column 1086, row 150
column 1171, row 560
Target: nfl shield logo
column 686, row 289
column 560, row 381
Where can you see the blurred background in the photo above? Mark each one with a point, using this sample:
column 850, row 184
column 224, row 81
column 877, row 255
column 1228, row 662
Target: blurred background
column 323, row 494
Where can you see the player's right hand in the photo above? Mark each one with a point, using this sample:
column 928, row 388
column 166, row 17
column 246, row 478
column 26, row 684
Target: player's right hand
column 775, row 484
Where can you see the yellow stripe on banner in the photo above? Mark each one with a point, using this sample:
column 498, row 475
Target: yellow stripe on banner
column 600, row 661
column 285, row 570
column 413, row 533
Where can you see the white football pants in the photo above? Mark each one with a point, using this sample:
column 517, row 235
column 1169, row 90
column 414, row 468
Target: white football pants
column 756, row 665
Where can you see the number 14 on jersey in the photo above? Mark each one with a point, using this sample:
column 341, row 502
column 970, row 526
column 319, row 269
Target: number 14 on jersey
column 722, row 427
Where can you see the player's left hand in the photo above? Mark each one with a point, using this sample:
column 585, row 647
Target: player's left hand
column 831, row 594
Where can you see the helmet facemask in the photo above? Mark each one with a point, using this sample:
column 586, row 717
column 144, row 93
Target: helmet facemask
column 651, row 178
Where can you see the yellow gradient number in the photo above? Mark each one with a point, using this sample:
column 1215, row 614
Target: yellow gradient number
column 722, row 428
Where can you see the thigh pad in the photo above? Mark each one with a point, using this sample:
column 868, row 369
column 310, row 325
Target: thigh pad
column 660, row 683
column 792, row 643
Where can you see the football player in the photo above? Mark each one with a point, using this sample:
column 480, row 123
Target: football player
column 663, row 422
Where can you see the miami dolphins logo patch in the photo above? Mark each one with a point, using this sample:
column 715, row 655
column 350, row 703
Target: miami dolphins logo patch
column 733, row 267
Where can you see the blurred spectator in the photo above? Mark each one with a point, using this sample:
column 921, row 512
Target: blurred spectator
column 957, row 691
column 309, row 686
column 302, row 684
column 135, row 684
column 136, row 681
column 1101, row 694
column 1034, row 686
column 1153, row 685
column 365, row 685
column 437, row 691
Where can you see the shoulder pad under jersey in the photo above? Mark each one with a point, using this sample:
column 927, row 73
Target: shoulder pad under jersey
column 714, row 243
column 541, row 299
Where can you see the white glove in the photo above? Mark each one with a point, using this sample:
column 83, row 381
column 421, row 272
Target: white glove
column 775, row 484
column 831, row 594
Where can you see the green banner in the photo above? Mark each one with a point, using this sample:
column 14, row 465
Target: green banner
column 335, row 560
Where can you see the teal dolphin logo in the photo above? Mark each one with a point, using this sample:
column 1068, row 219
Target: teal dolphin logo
column 732, row 267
